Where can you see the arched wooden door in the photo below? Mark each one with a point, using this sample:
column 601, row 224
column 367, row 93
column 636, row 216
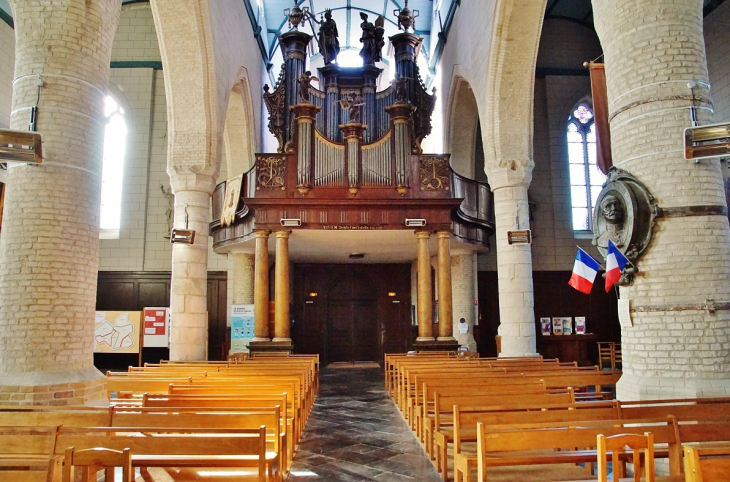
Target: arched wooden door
column 352, row 320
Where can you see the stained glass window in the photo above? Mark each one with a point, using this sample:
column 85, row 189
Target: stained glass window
column 585, row 178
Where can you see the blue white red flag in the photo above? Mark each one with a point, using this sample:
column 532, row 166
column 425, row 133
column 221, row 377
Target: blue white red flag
column 584, row 272
column 615, row 263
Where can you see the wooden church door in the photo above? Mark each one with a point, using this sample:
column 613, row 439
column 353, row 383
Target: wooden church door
column 352, row 321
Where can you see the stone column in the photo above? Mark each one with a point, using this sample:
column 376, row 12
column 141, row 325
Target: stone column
column 261, row 288
column 514, row 263
column 446, row 316
column 425, row 298
column 678, row 345
column 49, row 246
column 281, row 287
column 189, row 286
column 463, row 276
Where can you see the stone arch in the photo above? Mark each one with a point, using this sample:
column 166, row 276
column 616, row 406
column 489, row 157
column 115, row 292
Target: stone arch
column 507, row 129
column 463, row 120
column 184, row 33
column 239, row 131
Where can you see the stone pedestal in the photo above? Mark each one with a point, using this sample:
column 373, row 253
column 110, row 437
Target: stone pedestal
column 452, row 346
column 270, row 347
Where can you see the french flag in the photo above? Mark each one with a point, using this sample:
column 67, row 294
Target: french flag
column 615, row 263
column 584, row 272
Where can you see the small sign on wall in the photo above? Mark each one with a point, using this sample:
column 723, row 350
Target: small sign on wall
column 519, row 237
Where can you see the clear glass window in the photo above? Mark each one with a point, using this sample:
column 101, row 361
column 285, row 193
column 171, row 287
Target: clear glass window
column 115, row 139
column 585, row 177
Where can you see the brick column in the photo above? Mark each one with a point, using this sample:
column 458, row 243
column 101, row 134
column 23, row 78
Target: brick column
column 676, row 347
column 514, row 263
column 189, row 286
column 243, row 278
column 425, row 298
column 50, row 238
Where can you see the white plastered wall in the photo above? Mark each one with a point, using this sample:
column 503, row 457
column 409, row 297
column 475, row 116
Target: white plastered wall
column 718, row 53
column 7, row 62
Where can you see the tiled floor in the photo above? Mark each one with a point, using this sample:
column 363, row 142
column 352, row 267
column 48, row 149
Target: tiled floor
column 356, row 433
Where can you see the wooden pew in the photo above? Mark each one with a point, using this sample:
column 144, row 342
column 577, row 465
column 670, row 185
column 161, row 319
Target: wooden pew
column 233, row 402
column 440, row 437
column 465, row 419
column 46, row 415
column 26, row 454
column 555, row 444
column 707, row 462
column 158, row 447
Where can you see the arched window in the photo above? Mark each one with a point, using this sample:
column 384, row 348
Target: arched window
column 115, row 139
column 585, row 178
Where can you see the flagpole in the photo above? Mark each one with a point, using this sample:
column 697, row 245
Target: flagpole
column 594, row 259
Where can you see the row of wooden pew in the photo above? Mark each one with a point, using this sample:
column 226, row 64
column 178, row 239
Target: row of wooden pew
column 474, row 415
column 247, row 415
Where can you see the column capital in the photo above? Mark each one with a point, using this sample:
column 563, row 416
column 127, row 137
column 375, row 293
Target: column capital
column 261, row 233
column 192, row 181
column 284, row 233
column 443, row 234
column 422, row 234
column 500, row 178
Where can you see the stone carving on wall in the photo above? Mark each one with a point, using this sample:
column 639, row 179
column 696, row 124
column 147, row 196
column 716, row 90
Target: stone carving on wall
column 434, row 173
column 625, row 213
column 270, row 172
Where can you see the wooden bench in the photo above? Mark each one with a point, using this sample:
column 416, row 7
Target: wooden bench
column 158, row 447
column 441, row 434
column 233, row 402
column 556, row 444
column 707, row 462
column 26, row 454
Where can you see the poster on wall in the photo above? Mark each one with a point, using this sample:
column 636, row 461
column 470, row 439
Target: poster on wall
column 117, row 332
column 241, row 327
column 156, row 327
column 545, row 326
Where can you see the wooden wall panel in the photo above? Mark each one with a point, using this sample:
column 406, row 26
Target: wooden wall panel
column 553, row 297
column 135, row 290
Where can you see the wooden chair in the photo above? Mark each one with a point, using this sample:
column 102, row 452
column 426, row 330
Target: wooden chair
column 708, row 462
column 605, row 354
column 617, row 360
column 616, row 444
column 92, row 459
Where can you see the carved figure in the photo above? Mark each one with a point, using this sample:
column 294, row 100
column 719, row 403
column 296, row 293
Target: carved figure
column 355, row 104
column 401, row 89
column 613, row 211
column 305, row 83
column 275, row 105
column 329, row 45
column 372, row 39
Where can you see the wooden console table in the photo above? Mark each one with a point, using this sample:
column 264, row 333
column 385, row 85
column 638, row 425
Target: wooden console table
column 567, row 348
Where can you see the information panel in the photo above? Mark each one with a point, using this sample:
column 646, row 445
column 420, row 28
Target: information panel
column 117, row 332
column 156, row 323
column 241, row 327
